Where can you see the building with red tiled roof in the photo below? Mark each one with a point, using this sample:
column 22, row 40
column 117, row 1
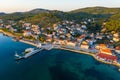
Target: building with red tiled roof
column 27, row 33
column 117, row 49
column 106, row 51
column 107, row 57
column 101, row 46
column 106, row 54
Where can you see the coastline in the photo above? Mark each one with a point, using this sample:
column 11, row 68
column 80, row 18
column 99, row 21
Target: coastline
column 7, row 33
column 28, row 42
column 93, row 55
column 78, row 51
column 24, row 41
column 62, row 48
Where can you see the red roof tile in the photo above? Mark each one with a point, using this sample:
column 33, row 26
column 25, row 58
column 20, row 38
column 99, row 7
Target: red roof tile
column 117, row 48
column 107, row 57
column 106, row 51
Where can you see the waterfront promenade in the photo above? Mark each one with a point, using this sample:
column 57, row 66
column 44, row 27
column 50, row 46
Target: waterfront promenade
column 87, row 52
column 93, row 54
column 28, row 42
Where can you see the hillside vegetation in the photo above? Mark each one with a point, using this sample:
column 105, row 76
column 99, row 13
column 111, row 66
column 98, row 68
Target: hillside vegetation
column 43, row 19
column 46, row 18
column 113, row 23
column 98, row 10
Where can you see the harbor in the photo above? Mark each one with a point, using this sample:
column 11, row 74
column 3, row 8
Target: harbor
column 63, row 48
column 32, row 51
column 46, row 61
column 65, row 40
column 73, row 50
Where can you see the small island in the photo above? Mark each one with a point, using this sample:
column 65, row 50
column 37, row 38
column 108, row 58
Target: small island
column 92, row 35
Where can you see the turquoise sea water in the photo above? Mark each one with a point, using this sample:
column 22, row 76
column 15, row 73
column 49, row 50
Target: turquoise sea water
column 51, row 65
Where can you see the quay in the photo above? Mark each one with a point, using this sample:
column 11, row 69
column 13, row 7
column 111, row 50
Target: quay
column 62, row 48
column 31, row 51
column 77, row 51
column 93, row 55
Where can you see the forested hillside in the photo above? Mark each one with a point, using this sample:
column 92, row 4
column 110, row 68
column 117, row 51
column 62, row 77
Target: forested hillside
column 97, row 10
column 47, row 18
column 113, row 23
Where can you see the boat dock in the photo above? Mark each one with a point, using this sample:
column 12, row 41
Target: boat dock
column 31, row 51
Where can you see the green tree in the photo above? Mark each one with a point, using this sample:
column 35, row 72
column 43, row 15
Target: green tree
column 114, row 23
